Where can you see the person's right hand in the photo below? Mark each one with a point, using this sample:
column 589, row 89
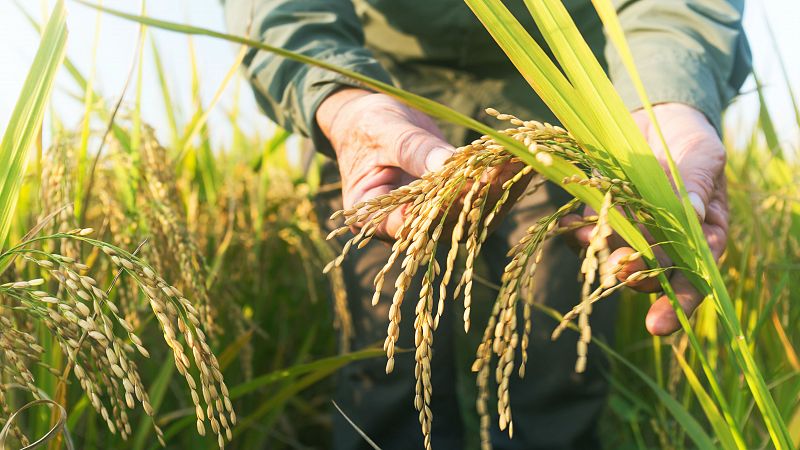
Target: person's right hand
column 380, row 144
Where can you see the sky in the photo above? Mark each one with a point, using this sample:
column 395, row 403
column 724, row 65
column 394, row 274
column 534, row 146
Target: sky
column 118, row 40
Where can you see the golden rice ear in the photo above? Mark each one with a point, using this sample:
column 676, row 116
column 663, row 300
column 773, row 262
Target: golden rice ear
column 468, row 178
column 100, row 343
column 178, row 255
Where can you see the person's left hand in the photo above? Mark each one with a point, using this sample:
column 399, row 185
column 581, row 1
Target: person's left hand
column 700, row 157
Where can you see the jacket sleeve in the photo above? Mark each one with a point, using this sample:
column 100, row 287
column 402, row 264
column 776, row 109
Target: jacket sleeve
column 290, row 92
column 687, row 51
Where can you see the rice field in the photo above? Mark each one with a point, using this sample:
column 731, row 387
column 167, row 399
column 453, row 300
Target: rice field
column 150, row 293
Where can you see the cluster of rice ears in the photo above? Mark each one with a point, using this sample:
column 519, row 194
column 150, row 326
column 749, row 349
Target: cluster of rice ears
column 440, row 216
column 251, row 221
column 197, row 218
column 605, row 163
column 98, row 341
column 582, row 97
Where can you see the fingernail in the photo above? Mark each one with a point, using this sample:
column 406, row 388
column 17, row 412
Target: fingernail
column 659, row 325
column 699, row 207
column 436, row 158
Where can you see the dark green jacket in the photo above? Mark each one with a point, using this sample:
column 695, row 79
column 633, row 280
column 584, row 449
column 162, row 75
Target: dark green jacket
column 688, row 51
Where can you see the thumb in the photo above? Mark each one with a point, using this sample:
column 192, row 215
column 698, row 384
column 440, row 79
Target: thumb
column 694, row 144
column 417, row 151
column 698, row 151
column 700, row 168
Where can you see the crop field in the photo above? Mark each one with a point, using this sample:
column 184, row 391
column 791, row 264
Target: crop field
column 163, row 288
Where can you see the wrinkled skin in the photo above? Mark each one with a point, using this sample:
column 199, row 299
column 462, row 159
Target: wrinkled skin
column 382, row 144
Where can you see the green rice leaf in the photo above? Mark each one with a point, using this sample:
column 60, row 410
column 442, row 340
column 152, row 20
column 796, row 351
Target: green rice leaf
column 326, row 365
column 689, row 424
column 705, row 264
column 729, row 437
column 166, row 95
column 765, row 121
column 26, row 120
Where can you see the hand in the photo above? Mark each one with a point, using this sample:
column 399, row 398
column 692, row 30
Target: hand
column 382, row 144
column 700, row 158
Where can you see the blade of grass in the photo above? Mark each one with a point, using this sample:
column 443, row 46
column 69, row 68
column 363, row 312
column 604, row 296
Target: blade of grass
column 769, row 306
column 136, row 114
column 355, row 427
column 728, row 437
column 692, row 428
column 333, row 362
column 166, row 95
column 200, row 120
column 157, row 392
column 88, row 109
column 786, row 343
column 277, row 400
column 26, row 119
column 111, row 126
column 233, row 349
column 199, row 161
column 765, row 122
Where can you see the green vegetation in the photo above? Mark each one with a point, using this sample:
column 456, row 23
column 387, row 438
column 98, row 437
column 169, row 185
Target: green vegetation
column 142, row 243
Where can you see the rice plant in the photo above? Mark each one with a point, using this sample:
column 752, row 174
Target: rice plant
column 69, row 304
column 198, row 214
column 584, row 101
column 83, row 312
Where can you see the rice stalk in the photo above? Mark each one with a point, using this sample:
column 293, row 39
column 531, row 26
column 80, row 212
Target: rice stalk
column 165, row 220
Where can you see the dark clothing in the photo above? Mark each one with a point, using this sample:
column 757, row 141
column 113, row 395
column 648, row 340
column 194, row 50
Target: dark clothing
column 687, row 51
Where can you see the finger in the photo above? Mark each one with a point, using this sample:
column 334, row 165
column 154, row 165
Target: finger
column 661, row 320
column 368, row 194
column 717, row 239
column 578, row 238
column 387, row 230
column 417, row 151
column 630, row 267
column 718, row 213
column 581, row 235
column 371, row 183
column 374, row 183
column 715, row 228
